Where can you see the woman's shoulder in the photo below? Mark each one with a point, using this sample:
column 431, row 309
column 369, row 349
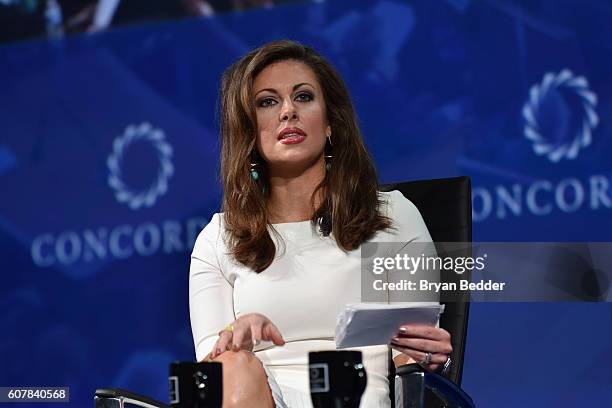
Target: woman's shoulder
column 214, row 225
column 397, row 205
column 408, row 223
column 212, row 233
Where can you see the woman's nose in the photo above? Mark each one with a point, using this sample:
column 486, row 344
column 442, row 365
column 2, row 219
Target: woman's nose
column 288, row 112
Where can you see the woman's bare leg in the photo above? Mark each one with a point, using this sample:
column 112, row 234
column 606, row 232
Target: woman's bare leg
column 245, row 383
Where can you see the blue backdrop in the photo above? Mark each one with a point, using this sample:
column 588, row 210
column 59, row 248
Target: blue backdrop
column 109, row 168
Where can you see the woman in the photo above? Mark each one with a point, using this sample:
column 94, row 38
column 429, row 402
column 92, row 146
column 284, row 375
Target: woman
column 272, row 271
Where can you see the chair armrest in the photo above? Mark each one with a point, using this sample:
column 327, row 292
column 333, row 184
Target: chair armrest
column 411, row 381
column 117, row 397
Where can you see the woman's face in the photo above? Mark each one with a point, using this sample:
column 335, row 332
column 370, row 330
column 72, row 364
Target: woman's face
column 291, row 118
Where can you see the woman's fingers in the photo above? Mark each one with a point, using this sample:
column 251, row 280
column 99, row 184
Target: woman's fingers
column 418, row 356
column 417, row 341
column 424, row 345
column 225, row 337
column 256, row 334
column 246, row 332
column 242, row 330
column 271, row 332
column 426, row 332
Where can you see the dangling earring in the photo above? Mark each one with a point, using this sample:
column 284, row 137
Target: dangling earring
column 328, row 157
column 254, row 173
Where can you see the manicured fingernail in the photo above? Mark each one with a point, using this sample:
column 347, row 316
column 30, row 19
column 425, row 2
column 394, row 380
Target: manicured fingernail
column 403, row 329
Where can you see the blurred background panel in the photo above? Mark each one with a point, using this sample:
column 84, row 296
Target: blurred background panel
column 25, row 19
column 109, row 168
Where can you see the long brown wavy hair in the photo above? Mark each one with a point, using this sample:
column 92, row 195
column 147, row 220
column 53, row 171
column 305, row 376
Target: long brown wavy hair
column 350, row 203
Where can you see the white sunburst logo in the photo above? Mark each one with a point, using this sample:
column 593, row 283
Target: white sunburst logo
column 581, row 136
column 148, row 196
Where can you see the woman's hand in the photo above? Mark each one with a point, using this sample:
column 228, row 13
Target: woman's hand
column 417, row 340
column 247, row 332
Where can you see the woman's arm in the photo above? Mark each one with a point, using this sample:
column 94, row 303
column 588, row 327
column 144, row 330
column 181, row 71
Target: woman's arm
column 414, row 342
column 211, row 302
column 211, row 306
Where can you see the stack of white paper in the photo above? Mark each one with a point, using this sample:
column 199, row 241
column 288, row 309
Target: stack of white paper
column 369, row 324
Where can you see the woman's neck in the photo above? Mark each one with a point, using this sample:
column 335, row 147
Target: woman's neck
column 291, row 196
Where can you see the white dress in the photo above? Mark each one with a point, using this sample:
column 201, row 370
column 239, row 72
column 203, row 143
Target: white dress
column 301, row 292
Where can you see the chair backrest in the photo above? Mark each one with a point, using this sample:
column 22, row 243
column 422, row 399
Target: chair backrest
column 446, row 207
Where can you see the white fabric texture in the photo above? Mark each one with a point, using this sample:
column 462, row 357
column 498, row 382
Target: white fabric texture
column 301, row 292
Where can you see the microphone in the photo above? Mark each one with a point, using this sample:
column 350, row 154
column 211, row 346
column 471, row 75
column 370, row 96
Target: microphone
column 337, row 378
column 196, row 385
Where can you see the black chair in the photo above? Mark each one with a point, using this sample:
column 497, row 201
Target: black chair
column 445, row 205
column 120, row 398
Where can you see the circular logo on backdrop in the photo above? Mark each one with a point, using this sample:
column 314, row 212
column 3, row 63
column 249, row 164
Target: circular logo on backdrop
column 560, row 115
column 158, row 186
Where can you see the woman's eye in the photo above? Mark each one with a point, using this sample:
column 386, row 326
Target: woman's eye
column 304, row 97
column 265, row 102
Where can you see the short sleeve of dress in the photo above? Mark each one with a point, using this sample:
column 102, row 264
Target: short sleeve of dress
column 408, row 223
column 210, row 292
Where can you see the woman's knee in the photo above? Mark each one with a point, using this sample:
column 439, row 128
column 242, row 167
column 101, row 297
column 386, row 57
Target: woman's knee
column 244, row 380
column 235, row 359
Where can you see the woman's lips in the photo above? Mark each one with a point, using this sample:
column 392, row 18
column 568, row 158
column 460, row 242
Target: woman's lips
column 291, row 135
column 293, row 139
